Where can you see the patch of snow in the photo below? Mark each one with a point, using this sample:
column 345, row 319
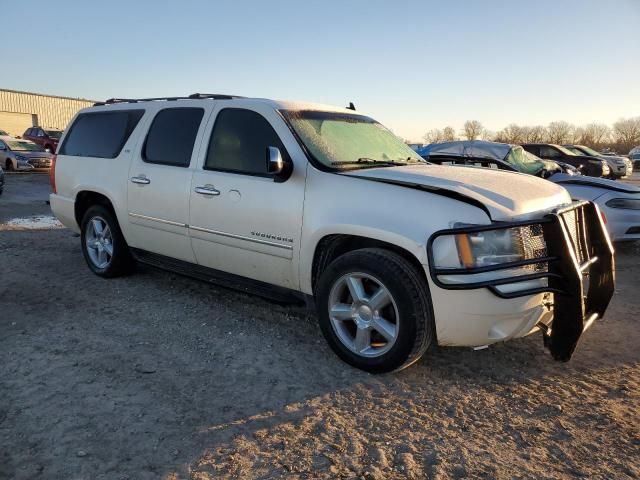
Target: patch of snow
column 35, row 222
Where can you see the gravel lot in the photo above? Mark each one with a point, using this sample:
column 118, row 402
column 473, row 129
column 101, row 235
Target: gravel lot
column 160, row 376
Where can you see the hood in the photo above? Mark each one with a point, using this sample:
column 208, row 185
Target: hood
column 596, row 182
column 27, row 154
column 586, row 158
column 505, row 195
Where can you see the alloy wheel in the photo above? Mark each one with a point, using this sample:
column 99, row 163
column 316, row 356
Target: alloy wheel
column 363, row 314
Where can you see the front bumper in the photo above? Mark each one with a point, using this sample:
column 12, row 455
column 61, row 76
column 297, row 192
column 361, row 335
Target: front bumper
column 573, row 279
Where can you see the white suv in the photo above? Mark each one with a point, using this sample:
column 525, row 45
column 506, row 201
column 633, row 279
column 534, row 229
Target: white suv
column 294, row 200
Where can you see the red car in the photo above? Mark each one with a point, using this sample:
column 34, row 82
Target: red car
column 45, row 137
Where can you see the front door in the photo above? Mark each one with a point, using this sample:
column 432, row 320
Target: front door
column 160, row 181
column 242, row 220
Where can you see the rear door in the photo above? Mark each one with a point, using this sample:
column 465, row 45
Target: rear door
column 160, row 179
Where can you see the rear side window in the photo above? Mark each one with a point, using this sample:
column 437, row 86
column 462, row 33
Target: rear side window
column 101, row 134
column 172, row 136
column 239, row 142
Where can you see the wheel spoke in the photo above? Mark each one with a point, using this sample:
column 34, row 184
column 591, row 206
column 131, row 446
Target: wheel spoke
column 106, row 232
column 97, row 226
column 362, row 340
column 341, row 311
column 108, row 247
column 380, row 299
column 384, row 327
column 102, row 257
column 356, row 289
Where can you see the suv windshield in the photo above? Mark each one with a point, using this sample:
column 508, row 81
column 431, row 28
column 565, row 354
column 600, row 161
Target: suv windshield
column 564, row 150
column 347, row 141
column 18, row 146
column 54, row 133
column 589, row 151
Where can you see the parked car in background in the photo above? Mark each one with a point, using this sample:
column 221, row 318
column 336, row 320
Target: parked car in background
column 588, row 165
column 3, row 133
column 634, row 156
column 620, row 166
column 1, row 180
column 303, row 200
column 47, row 138
column 619, row 203
column 20, row 154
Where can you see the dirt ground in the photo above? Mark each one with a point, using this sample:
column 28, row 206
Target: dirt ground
column 160, row 376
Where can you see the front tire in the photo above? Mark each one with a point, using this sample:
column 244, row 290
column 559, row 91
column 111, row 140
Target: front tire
column 375, row 310
column 103, row 246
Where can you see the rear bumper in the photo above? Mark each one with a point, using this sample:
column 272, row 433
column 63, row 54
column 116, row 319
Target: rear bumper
column 64, row 210
column 572, row 286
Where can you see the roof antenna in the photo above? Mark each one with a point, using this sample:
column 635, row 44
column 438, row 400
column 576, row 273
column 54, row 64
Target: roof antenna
column 351, row 106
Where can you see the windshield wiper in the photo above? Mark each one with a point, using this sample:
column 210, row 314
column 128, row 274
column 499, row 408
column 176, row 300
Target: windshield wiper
column 371, row 161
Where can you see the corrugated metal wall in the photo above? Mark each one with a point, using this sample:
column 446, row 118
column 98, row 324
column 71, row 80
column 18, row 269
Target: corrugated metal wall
column 52, row 111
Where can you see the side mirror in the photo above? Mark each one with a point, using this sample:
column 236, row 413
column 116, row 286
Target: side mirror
column 275, row 162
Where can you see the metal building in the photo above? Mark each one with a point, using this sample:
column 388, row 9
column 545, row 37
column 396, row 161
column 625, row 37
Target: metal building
column 21, row 110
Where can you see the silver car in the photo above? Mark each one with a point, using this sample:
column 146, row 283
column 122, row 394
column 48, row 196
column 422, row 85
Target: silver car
column 17, row 154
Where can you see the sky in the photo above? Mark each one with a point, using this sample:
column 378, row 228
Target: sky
column 412, row 65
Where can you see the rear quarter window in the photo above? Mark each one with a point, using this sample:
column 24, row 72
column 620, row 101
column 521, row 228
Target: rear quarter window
column 100, row 134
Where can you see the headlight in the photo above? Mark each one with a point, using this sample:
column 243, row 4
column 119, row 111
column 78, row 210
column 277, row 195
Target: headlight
column 489, row 247
column 628, row 203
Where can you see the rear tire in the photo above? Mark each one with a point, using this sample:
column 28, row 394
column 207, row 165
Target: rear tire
column 103, row 246
column 399, row 329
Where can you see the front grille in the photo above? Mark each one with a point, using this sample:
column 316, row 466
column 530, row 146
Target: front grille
column 575, row 224
column 40, row 162
column 534, row 246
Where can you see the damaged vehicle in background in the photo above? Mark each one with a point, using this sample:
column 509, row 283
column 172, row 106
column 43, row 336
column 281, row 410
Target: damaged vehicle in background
column 19, row 155
column 619, row 203
column 620, row 166
column 588, row 165
column 305, row 201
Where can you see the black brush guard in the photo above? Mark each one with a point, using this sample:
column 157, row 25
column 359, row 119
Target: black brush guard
column 580, row 272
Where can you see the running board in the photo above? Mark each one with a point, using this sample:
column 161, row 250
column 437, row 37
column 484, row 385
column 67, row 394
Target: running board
column 222, row 279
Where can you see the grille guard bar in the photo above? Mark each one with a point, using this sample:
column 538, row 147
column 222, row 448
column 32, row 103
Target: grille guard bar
column 572, row 255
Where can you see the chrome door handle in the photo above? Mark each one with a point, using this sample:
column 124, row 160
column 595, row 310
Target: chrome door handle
column 207, row 190
column 141, row 180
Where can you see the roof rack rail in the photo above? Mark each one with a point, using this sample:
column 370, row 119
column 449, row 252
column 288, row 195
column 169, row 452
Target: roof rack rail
column 193, row 96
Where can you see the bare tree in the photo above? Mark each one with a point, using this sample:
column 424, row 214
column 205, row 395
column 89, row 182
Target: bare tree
column 512, row 133
column 472, row 129
column 595, row 134
column 627, row 133
column 535, row 134
column 433, row 136
column 559, row 132
column 449, row 134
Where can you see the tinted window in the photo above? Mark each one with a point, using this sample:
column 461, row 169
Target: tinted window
column 239, row 142
column 549, row 152
column 28, row 132
column 100, row 134
column 172, row 136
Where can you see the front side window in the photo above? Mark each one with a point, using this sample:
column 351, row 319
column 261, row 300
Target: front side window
column 172, row 136
column 549, row 152
column 100, row 134
column 346, row 141
column 239, row 142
